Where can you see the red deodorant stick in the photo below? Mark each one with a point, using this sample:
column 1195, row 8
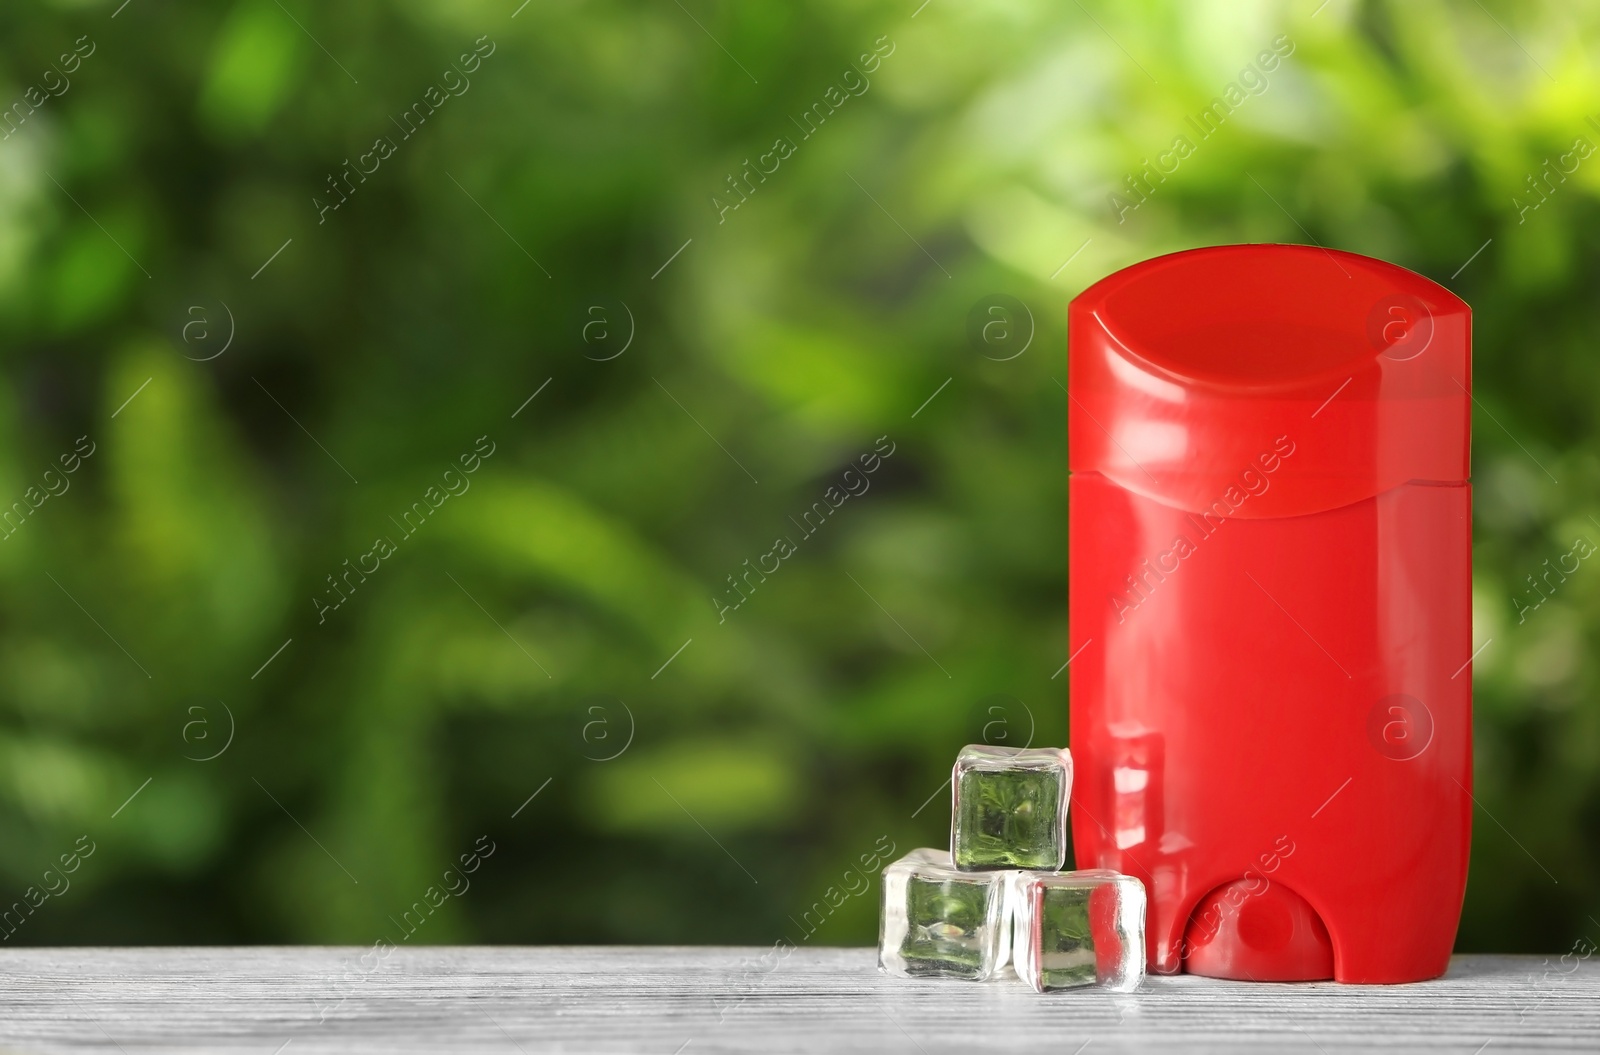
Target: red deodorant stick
column 1270, row 610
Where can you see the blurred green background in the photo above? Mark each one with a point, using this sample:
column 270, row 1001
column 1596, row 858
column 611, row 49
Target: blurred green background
column 268, row 383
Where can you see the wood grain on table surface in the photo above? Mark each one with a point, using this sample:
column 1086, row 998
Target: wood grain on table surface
column 686, row 1001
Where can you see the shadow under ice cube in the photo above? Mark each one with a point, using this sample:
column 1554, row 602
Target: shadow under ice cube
column 1079, row 928
column 938, row 921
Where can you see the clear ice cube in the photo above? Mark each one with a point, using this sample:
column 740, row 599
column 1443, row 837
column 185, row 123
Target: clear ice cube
column 1074, row 929
column 938, row 921
column 1010, row 807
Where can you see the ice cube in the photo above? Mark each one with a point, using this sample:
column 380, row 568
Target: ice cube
column 1078, row 928
column 938, row 921
column 1010, row 807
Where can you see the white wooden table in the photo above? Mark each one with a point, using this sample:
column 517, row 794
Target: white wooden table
column 694, row 1000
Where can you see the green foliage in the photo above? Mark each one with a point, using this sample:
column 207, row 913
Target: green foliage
column 1009, row 818
column 146, row 608
column 945, row 922
column 1067, row 948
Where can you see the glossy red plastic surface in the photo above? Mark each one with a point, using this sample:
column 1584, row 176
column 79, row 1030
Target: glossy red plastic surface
column 1270, row 579
column 1254, row 932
